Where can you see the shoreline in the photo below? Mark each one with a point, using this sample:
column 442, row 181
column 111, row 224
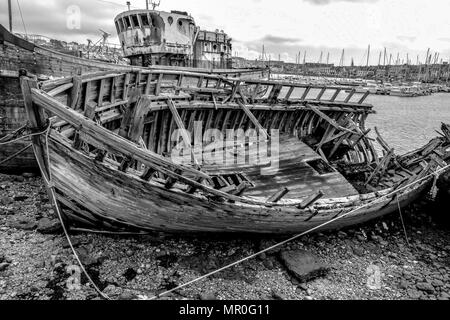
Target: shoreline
column 34, row 266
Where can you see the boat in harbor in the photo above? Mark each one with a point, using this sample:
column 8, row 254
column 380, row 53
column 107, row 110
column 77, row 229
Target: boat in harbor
column 403, row 91
column 156, row 46
column 146, row 151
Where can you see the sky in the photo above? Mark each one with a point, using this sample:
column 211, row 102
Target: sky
column 285, row 27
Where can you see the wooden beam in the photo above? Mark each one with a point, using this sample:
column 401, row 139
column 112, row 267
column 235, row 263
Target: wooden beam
column 278, row 195
column 76, row 92
column 309, row 201
column 253, row 119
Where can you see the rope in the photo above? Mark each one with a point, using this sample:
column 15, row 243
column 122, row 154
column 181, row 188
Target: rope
column 23, row 137
column 297, row 236
column 23, row 22
column 403, row 223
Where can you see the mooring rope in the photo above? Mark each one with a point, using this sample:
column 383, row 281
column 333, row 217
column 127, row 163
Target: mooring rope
column 23, row 138
column 403, row 223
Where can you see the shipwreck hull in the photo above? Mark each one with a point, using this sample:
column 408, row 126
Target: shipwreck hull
column 103, row 198
column 108, row 154
column 18, row 54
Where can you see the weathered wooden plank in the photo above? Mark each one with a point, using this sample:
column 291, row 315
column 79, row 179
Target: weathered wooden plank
column 278, row 195
column 76, row 92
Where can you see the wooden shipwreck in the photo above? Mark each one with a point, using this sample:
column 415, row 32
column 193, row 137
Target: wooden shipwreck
column 108, row 154
column 17, row 53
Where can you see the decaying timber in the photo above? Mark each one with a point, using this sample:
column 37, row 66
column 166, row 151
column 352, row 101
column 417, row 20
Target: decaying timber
column 17, row 53
column 110, row 155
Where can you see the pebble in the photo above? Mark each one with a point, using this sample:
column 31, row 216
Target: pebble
column 4, row 266
column 209, row 296
column 47, row 226
column 426, row 287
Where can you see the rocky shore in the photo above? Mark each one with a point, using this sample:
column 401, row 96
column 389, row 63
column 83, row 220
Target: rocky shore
column 373, row 261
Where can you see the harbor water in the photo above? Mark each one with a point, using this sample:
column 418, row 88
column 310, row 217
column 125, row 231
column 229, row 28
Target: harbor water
column 409, row 123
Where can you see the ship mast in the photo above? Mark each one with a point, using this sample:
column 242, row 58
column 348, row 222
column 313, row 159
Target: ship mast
column 10, row 15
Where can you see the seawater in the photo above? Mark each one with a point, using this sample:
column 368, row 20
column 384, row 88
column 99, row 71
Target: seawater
column 409, row 123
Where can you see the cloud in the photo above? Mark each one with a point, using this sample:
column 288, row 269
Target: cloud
column 50, row 18
column 445, row 39
column 406, row 38
column 279, row 40
column 325, row 2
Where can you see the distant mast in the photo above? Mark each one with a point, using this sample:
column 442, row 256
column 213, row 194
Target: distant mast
column 10, row 16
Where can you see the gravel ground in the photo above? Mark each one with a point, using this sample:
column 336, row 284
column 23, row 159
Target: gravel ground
column 373, row 261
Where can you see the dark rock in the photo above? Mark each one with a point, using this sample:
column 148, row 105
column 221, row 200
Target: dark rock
column 23, row 224
column 358, row 251
column 403, row 285
column 209, row 296
column 19, row 178
column 437, row 283
column 129, row 253
column 268, row 263
column 414, row 294
column 303, row 287
column 130, row 274
column 342, row 235
column 127, row 296
column 47, row 226
column 444, row 296
column 160, row 254
column 3, row 266
column 20, row 198
column 278, row 296
column 75, row 243
column 426, row 287
column 303, row 265
column 28, row 175
column 6, row 212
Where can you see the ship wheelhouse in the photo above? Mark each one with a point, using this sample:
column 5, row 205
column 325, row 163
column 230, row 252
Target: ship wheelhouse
column 151, row 37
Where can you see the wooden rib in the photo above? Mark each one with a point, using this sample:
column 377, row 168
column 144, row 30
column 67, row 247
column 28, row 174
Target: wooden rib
column 180, row 125
column 321, row 93
column 112, row 97
column 158, row 84
column 76, row 92
column 87, row 94
column 336, row 94
column 253, row 119
column 305, row 94
column 350, row 95
column 148, row 84
column 289, row 93
column 126, row 85
column 101, row 92
column 364, row 97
